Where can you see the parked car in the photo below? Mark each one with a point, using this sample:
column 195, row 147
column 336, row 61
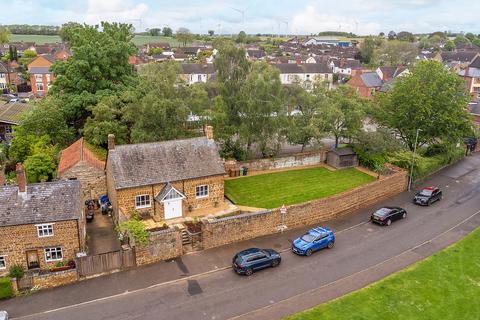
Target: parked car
column 3, row 315
column 315, row 239
column 427, row 196
column 253, row 259
column 385, row 216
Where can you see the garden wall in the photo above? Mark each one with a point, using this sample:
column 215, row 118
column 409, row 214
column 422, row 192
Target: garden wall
column 164, row 245
column 297, row 160
column 218, row 232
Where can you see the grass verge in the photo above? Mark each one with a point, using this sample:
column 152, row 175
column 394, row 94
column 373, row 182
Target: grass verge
column 291, row 187
column 443, row 286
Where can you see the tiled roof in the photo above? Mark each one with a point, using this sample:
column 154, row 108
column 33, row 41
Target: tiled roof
column 40, row 70
column 196, row 68
column 286, row 68
column 458, row 56
column 159, row 162
column 43, row 202
column 475, row 63
column 371, row 79
column 11, row 112
column 75, row 153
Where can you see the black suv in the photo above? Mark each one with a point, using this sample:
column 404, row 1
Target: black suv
column 250, row 260
column 428, row 196
column 385, row 216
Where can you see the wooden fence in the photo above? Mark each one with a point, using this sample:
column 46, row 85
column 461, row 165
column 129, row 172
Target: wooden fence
column 105, row 262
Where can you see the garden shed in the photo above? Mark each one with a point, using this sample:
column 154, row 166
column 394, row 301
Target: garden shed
column 342, row 158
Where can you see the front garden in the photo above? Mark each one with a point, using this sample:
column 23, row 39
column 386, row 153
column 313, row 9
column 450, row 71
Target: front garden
column 444, row 286
column 273, row 190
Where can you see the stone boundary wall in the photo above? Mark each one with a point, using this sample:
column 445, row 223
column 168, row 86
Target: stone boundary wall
column 297, row 160
column 218, row 232
column 164, row 245
column 50, row 280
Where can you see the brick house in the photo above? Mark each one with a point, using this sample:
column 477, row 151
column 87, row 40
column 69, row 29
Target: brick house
column 366, row 84
column 471, row 75
column 78, row 162
column 40, row 75
column 40, row 224
column 164, row 180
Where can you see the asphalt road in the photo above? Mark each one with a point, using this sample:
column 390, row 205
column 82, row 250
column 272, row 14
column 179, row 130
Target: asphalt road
column 223, row 294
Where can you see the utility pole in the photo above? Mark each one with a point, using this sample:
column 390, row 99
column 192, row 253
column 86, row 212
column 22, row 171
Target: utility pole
column 413, row 161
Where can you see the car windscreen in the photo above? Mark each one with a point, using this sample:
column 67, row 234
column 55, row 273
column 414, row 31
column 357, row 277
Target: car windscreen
column 307, row 237
column 382, row 212
column 426, row 193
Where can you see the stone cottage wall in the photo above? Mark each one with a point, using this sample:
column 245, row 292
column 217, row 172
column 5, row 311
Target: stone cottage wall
column 217, row 232
column 93, row 181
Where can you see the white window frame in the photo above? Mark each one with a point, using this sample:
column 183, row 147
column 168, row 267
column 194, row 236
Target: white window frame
column 38, row 77
column 201, row 191
column 3, row 75
column 43, row 230
column 40, row 85
column 53, row 249
column 145, row 205
column 4, row 259
column 3, row 85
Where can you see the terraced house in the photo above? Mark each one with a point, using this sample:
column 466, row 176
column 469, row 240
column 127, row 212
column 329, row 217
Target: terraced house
column 40, row 224
column 164, row 180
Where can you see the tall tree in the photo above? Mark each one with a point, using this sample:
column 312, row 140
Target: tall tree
column 98, row 68
column 431, row 99
column 211, row 33
column 4, row 35
column 241, row 37
column 184, row 36
column 154, row 32
column 392, row 35
column 167, row 32
column 367, row 49
column 395, row 53
column 405, row 36
column 67, row 29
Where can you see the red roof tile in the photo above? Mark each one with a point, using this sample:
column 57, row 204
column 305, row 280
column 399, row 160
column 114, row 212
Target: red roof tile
column 75, row 153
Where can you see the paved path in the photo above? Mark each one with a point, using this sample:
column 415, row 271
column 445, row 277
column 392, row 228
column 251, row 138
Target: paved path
column 101, row 235
column 363, row 253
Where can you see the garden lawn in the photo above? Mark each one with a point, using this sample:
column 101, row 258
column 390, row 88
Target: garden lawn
column 444, row 286
column 273, row 190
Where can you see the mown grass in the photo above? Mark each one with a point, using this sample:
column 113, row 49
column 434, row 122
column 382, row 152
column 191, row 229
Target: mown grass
column 291, row 187
column 444, row 286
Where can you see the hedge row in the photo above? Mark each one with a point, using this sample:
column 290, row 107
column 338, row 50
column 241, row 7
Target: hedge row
column 6, row 290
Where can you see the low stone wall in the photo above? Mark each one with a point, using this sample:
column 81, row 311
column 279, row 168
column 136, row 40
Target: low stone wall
column 164, row 245
column 218, row 232
column 296, row 160
column 55, row 279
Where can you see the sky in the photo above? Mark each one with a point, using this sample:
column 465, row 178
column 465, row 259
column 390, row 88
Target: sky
column 255, row 16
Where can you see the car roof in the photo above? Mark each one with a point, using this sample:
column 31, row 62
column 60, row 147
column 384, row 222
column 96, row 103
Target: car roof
column 248, row 252
column 319, row 231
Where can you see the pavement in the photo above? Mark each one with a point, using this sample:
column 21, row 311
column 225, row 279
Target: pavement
column 202, row 285
column 101, row 235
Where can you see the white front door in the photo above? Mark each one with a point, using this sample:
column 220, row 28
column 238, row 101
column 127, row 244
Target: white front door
column 173, row 208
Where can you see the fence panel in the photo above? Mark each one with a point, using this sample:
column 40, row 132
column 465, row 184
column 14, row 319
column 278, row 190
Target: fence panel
column 105, row 262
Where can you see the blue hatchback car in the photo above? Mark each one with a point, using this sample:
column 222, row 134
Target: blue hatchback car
column 315, row 239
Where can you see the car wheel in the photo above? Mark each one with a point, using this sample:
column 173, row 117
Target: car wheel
column 249, row 272
column 404, row 215
column 275, row 263
column 309, row 252
column 389, row 222
column 429, row 203
column 330, row 244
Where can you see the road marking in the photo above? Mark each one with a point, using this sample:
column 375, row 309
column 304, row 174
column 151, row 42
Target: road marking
column 361, row 271
column 229, row 267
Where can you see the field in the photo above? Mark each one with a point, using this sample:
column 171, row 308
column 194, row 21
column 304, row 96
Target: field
column 444, row 286
column 138, row 40
column 272, row 190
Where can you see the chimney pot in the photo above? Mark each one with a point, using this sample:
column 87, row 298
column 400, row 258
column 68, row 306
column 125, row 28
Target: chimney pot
column 21, row 178
column 111, row 141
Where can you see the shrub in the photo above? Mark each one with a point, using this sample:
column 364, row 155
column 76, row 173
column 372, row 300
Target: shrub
column 233, row 150
column 436, row 149
column 136, row 229
column 6, row 290
column 16, row 271
column 372, row 160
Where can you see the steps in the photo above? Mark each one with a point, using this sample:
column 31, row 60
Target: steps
column 185, row 238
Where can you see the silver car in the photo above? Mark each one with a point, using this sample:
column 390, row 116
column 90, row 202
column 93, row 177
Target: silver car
column 3, row 315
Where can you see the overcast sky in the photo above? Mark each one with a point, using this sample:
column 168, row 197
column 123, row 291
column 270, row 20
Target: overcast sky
column 260, row 16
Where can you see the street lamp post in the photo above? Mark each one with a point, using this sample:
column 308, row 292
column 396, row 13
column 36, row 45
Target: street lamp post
column 413, row 161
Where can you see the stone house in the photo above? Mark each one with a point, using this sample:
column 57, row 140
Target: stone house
column 40, row 224
column 78, row 162
column 164, row 180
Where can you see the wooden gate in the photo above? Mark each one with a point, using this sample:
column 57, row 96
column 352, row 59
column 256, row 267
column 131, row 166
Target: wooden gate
column 105, row 262
column 25, row 283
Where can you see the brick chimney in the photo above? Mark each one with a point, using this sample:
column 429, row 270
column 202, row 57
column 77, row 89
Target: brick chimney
column 2, row 176
column 21, row 178
column 111, row 141
column 209, row 132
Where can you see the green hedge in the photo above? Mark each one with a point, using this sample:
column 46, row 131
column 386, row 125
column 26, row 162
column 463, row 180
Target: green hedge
column 6, row 290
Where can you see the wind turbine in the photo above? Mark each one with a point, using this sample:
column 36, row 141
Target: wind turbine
column 281, row 20
column 242, row 12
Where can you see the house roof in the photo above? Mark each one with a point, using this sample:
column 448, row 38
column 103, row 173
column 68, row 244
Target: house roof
column 43, row 202
column 256, row 53
column 475, row 63
column 344, row 151
column 159, row 162
column 196, row 68
column 463, row 56
column 75, row 153
column 303, row 68
column 40, row 70
column 371, row 79
column 11, row 112
column 470, row 72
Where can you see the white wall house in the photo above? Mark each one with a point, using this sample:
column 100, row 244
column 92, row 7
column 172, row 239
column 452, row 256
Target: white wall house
column 305, row 74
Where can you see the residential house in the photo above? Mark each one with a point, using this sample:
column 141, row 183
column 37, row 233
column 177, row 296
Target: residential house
column 40, row 75
column 10, row 114
column 196, row 73
column 22, row 46
column 474, row 109
column 40, row 224
column 471, row 74
column 165, row 46
column 4, row 77
column 390, row 73
column 315, row 41
column 459, row 60
column 366, row 84
column 344, row 67
column 255, row 54
column 305, row 74
column 79, row 162
column 164, row 180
